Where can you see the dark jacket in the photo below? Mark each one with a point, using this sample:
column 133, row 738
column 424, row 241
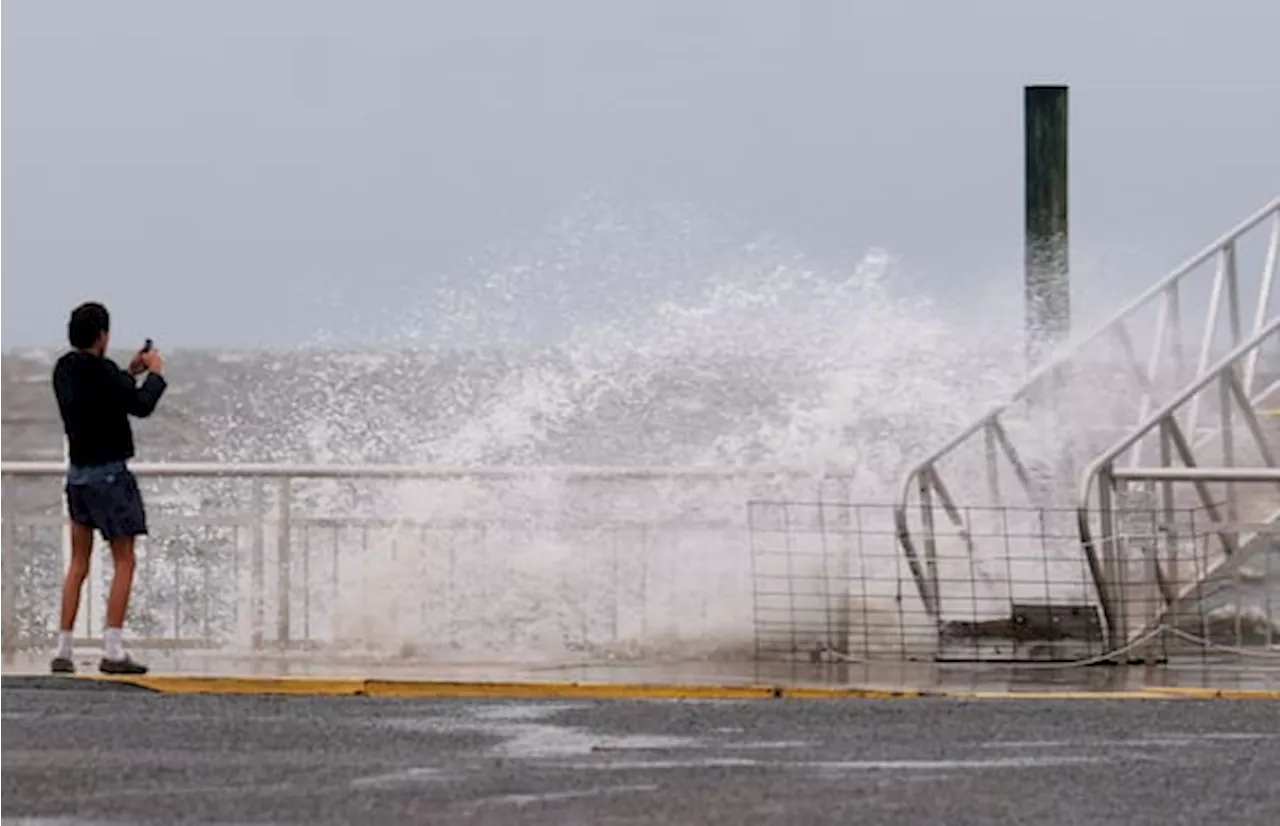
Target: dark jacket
column 96, row 399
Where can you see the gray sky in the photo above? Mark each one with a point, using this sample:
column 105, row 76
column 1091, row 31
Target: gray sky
column 261, row 173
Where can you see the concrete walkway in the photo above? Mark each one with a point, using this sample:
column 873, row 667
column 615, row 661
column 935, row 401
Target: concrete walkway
column 310, row 673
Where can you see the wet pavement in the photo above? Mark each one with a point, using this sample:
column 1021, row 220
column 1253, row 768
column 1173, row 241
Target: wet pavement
column 80, row 756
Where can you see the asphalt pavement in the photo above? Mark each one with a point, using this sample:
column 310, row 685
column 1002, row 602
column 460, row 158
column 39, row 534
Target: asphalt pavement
column 85, row 754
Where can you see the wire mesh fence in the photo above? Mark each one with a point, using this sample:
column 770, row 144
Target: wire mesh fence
column 1185, row 580
column 830, row 580
column 1012, row 584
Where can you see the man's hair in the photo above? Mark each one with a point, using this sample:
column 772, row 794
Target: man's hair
column 88, row 321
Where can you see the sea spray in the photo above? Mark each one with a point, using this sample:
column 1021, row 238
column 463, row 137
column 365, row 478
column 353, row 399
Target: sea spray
column 773, row 362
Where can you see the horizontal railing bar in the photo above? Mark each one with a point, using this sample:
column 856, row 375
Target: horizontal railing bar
column 58, row 520
column 427, row 472
column 340, row 524
column 1197, row 530
column 604, row 522
column 1198, row 474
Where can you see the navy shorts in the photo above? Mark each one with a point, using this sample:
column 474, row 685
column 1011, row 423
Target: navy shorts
column 111, row 504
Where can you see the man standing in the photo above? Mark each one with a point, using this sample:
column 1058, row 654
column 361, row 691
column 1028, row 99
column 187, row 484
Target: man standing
column 96, row 398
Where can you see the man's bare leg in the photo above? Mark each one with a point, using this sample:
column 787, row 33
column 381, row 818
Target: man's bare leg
column 118, row 598
column 72, row 586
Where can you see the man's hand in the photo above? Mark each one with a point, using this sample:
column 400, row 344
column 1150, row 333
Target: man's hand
column 136, row 365
column 152, row 361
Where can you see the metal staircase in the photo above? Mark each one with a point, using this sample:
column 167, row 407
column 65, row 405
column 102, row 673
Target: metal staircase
column 1211, row 505
column 1065, row 460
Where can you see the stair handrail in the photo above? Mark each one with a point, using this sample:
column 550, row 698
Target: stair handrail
column 924, row 476
column 1099, row 470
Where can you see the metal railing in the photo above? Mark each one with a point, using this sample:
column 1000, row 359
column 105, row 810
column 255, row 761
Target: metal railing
column 430, row 559
column 1085, row 372
column 1215, row 477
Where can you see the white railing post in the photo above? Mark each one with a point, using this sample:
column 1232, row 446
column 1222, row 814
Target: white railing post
column 9, row 573
column 1269, row 269
column 257, row 570
column 1110, row 591
column 283, row 553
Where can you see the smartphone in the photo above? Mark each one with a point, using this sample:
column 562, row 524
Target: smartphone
column 147, row 347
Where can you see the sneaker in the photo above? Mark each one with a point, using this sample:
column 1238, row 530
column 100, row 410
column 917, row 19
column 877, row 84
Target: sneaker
column 62, row 665
column 123, row 666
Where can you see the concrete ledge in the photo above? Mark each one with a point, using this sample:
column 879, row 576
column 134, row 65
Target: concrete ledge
column 846, row 692
column 566, row 690
column 51, row 682
column 539, row 689
column 1204, row 693
column 670, row 680
column 306, row 686
column 881, row 693
column 1129, row 694
column 442, row 689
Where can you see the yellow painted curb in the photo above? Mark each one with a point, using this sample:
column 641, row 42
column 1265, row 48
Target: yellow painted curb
column 1136, row 694
column 565, row 690
column 1198, row 692
column 315, row 686
column 850, row 693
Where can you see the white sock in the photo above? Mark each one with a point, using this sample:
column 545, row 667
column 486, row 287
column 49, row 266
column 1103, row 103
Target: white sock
column 64, row 645
column 114, row 639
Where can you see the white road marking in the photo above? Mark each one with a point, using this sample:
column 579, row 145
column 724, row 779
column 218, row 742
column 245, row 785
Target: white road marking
column 844, row 765
column 399, row 778
column 1162, row 741
column 568, row 794
column 752, row 745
